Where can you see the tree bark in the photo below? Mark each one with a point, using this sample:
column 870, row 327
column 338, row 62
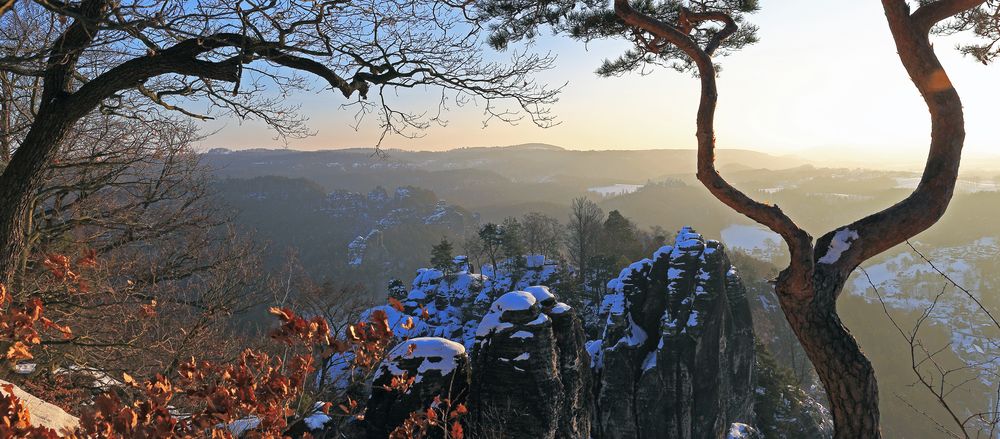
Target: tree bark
column 20, row 180
column 845, row 371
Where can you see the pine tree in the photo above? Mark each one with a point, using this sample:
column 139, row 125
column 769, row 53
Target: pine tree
column 441, row 257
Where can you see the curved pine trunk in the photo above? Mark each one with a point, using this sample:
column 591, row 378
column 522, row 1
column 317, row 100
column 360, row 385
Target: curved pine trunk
column 845, row 371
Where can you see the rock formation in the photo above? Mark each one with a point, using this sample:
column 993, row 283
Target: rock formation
column 43, row 414
column 743, row 431
column 676, row 358
column 676, row 355
column 438, row 367
column 516, row 391
column 451, row 305
column 573, row 363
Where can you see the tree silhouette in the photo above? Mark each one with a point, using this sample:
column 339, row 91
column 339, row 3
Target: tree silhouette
column 686, row 36
column 150, row 59
column 441, row 257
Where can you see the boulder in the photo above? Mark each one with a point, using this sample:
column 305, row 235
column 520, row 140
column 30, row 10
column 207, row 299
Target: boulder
column 42, row 413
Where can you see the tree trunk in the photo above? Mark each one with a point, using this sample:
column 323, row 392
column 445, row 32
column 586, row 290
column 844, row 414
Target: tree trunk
column 6, row 113
column 845, row 371
column 21, row 179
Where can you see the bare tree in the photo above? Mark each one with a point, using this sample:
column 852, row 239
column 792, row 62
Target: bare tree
column 686, row 36
column 586, row 220
column 132, row 191
column 543, row 234
column 142, row 59
column 167, row 267
column 946, row 380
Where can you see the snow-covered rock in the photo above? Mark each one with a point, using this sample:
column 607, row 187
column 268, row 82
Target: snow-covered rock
column 439, row 369
column 515, row 369
column 743, row 431
column 677, row 354
column 452, row 305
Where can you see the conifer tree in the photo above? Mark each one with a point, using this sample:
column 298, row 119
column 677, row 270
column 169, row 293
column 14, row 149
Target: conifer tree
column 441, row 256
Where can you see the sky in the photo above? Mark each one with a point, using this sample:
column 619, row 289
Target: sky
column 824, row 81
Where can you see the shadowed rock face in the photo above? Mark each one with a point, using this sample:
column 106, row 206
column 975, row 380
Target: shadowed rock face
column 573, row 363
column 439, row 368
column 516, row 391
column 677, row 354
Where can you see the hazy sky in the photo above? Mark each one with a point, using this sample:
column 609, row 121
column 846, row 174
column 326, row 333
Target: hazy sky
column 823, row 80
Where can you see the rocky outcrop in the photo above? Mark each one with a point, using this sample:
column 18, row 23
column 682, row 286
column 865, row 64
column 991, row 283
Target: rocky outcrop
column 516, row 390
column 438, row 368
column 450, row 305
column 676, row 358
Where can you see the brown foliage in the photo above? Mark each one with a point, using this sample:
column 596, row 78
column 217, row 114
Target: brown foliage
column 258, row 388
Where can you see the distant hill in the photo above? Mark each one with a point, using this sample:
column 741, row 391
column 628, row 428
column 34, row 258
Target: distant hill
column 528, row 173
column 532, row 162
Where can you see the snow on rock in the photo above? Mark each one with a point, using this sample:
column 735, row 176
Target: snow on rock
column 515, row 373
column 560, row 308
column 506, row 306
column 457, row 302
column 316, row 423
column 437, row 354
column 510, row 319
column 522, row 334
column 742, row 431
column 514, row 301
column 543, row 296
column 533, row 270
column 595, row 349
column 241, row 427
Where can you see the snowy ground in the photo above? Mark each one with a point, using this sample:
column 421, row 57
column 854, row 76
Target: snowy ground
column 962, row 186
column 907, row 283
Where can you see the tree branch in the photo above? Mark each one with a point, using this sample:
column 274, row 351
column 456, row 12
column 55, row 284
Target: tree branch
column 927, row 203
column 925, row 17
column 799, row 272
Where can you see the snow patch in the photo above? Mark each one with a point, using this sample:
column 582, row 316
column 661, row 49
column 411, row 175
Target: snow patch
column 838, row 245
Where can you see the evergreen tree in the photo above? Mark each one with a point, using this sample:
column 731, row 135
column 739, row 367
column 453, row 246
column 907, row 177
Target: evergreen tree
column 620, row 239
column 441, row 256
